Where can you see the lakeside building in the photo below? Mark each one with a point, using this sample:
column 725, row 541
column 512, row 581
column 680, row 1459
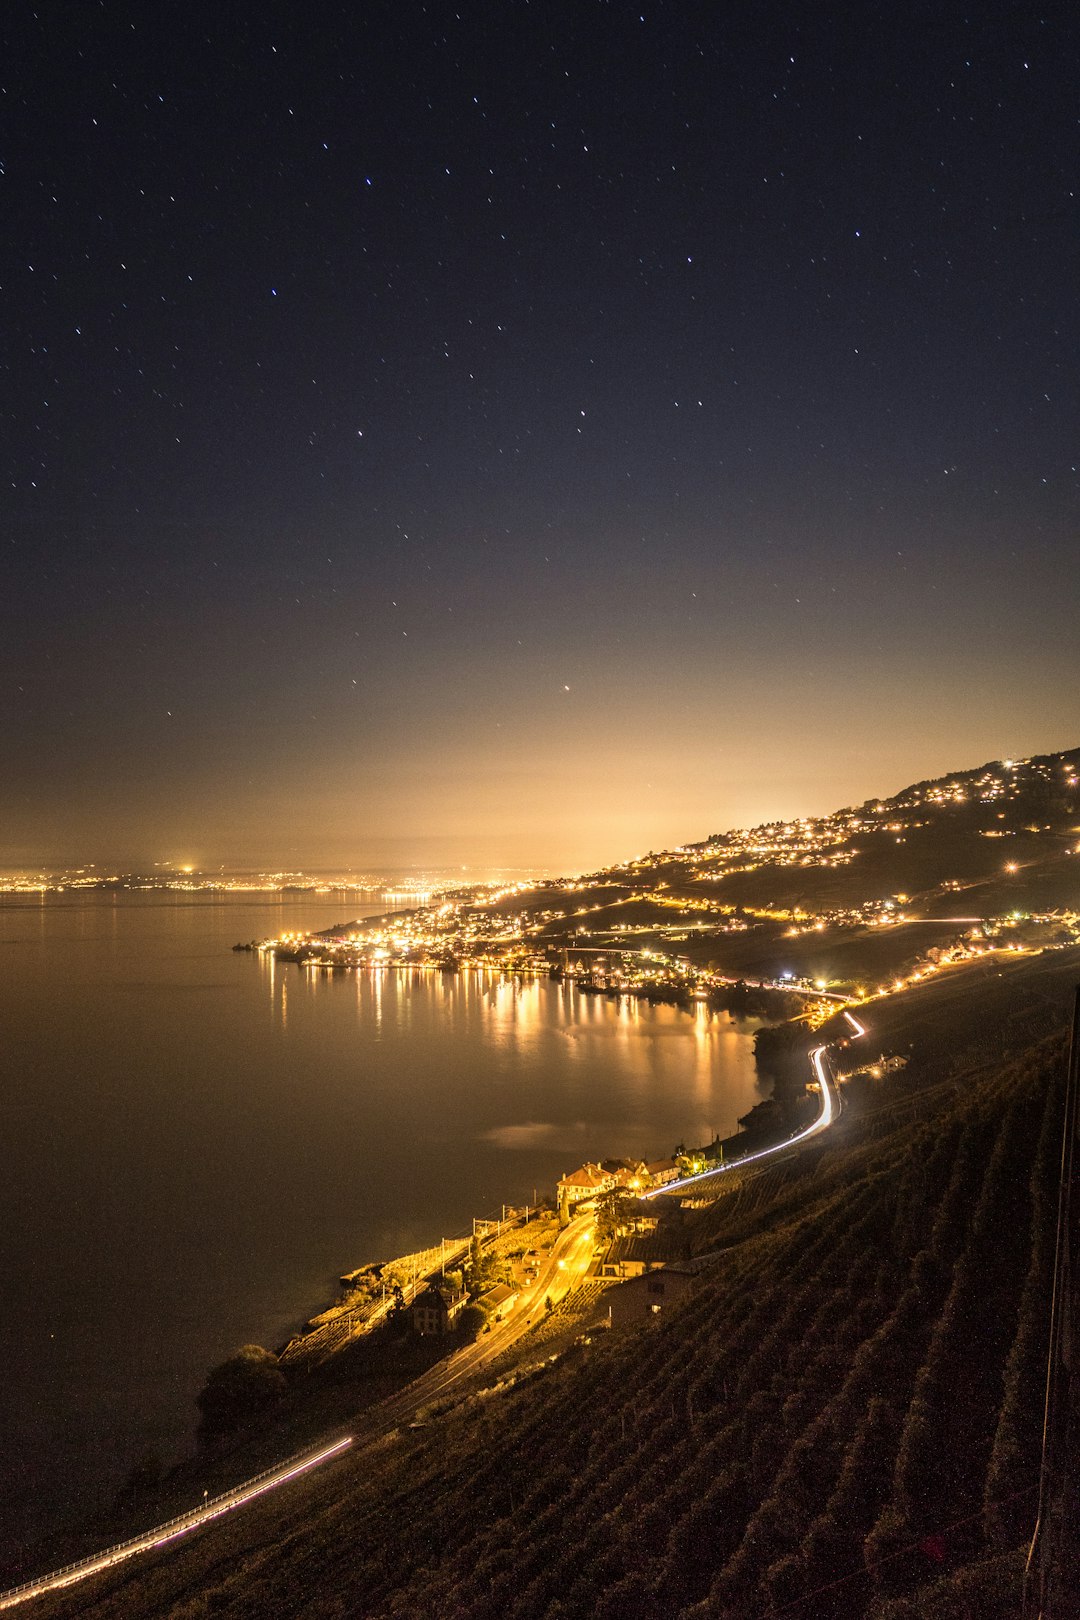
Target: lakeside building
column 498, row 1299
column 436, row 1309
column 588, row 1182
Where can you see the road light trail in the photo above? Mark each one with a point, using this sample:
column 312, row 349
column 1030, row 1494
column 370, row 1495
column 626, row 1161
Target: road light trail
column 825, row 1118
column 174, row 1528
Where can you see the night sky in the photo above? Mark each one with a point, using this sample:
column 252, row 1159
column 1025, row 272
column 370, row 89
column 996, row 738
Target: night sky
column 526, row 433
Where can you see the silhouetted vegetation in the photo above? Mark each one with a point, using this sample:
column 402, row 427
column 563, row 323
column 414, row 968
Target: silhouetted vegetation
column 744, row 1000
column 240, row 1390
column 472, row 1321
column 781, row 1052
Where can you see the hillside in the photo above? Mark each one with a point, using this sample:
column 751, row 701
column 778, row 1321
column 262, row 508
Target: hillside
column 858, row 895
column 843, row 1415
column 842, row 1419
column 983, row 859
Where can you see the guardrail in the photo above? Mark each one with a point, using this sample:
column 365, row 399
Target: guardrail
column 68, row 1574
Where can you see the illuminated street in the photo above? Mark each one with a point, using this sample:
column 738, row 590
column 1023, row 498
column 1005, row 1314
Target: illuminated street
column 172, row 1531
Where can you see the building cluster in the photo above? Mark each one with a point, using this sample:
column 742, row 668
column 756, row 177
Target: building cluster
column 619, row 932
column 188, row 880
column 590, row 1181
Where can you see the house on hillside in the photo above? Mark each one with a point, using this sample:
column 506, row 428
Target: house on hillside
column 629, row 1174
column 619, row 1264
column 629, row 1255
column 644, row 1298
column 641, row 1247
column 588, row 1182
column 436, row 1309
column 661, row 1171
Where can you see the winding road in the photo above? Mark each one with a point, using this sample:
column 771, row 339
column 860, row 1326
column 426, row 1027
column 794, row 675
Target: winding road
column 830, row 1107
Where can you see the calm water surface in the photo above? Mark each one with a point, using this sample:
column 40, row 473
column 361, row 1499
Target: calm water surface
column 197, row 1143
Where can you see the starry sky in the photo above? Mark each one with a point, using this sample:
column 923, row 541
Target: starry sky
column 526, row 433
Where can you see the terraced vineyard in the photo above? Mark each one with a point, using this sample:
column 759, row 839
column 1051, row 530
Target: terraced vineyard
column 842, row 1419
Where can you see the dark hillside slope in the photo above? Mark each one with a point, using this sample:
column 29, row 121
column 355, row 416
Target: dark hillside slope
column 845, row 1411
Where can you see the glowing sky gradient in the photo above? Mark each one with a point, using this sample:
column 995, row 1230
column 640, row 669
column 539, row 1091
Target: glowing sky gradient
column 528, row 437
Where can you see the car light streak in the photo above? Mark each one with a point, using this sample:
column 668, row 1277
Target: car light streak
column 822, row 1123
column 165, row 1533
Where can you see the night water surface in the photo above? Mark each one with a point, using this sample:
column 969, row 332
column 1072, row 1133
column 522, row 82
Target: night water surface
column 197, row 1142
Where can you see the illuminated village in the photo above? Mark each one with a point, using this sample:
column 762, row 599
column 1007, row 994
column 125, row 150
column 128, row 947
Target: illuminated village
column 860, row 904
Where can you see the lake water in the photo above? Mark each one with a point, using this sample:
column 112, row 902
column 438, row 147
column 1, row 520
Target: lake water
column 196, row 1143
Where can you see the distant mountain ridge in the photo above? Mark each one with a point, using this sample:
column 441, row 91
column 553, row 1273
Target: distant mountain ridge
column 1000, row 796
column 995, row 841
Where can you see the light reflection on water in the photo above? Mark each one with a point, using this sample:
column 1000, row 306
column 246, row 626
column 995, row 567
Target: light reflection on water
column 631, row 1073
column 198, row 1142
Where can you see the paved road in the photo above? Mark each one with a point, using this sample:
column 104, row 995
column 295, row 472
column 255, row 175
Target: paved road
column 830, row 1107
column 564, row 1267
column 175, row 1528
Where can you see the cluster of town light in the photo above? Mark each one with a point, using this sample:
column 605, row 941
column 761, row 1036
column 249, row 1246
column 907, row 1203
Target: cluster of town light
column 580, row 927
column 188, row 879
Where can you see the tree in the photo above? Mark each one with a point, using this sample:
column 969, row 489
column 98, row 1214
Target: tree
column 472, row 1322
column 564, row 1209
column 482, row 1270
column 614, row 1210
column 240, row 1390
